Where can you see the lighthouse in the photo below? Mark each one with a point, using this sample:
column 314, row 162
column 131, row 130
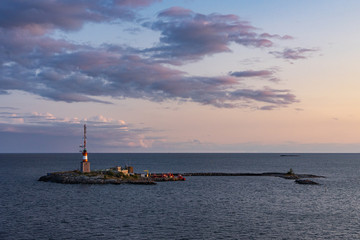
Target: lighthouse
column 85, row 164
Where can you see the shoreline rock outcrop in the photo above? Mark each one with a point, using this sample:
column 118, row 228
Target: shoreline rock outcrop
column 109, row 177
column 306, row 181
column 76, row 177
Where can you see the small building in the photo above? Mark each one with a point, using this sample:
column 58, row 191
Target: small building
column 125, row 170
column 85, row 167
column 130, row 169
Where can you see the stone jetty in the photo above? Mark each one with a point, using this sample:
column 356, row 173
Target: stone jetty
column 299, row 178
column 266, row 174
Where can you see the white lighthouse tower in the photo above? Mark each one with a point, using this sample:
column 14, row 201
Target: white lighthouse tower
column 85, row 164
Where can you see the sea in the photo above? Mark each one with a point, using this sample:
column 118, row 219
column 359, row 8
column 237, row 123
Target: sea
column 217, row 207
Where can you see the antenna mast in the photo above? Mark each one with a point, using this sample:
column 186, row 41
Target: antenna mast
column 85, row 137
column 85, row 165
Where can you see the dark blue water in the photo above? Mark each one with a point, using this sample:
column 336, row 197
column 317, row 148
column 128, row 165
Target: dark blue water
column 199, row 208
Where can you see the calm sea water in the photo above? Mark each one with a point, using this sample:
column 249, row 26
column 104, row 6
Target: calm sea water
column 199, row 208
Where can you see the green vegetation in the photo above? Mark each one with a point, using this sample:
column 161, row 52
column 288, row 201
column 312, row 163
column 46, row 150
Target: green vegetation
column 110, row 174
column 113, row 174
column 91, row 174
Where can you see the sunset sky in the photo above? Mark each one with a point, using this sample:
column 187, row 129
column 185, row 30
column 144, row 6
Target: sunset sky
column 180, row 75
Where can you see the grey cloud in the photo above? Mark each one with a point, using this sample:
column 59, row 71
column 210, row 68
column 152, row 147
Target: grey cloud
column 264, row 74
column 267, row 95
column 250, row 73
column 268, row 107
column 186, row 35
column 41, row 15
column 293, row 54
column 276, row 36
column 83, row 75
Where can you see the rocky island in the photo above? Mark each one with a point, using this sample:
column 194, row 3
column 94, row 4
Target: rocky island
column 306, row 181
column 95, row 177
column 113, row 176
column 119, row 175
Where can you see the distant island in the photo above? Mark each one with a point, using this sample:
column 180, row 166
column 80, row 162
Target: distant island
column 126, row 175
column 113, row 176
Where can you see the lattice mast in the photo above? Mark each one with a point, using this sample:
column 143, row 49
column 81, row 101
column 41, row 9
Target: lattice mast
column 84, row 152
column 84, row 164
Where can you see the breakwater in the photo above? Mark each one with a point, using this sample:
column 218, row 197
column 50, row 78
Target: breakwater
column 265, row 174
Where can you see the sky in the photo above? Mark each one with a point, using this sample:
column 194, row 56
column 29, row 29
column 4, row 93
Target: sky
column 179, row 76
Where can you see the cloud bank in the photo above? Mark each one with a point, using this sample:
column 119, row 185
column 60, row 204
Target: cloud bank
column 32, row 60
column 104, row 133
column 42, row 15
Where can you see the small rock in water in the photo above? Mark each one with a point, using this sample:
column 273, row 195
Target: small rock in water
column 306, row 181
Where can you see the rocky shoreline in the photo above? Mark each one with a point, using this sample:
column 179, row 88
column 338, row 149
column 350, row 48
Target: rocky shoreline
column 76, row 177
column 306, row 181
column 101, row 177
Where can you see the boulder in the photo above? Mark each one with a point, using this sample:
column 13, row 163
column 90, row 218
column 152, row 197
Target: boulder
column 306, row 181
